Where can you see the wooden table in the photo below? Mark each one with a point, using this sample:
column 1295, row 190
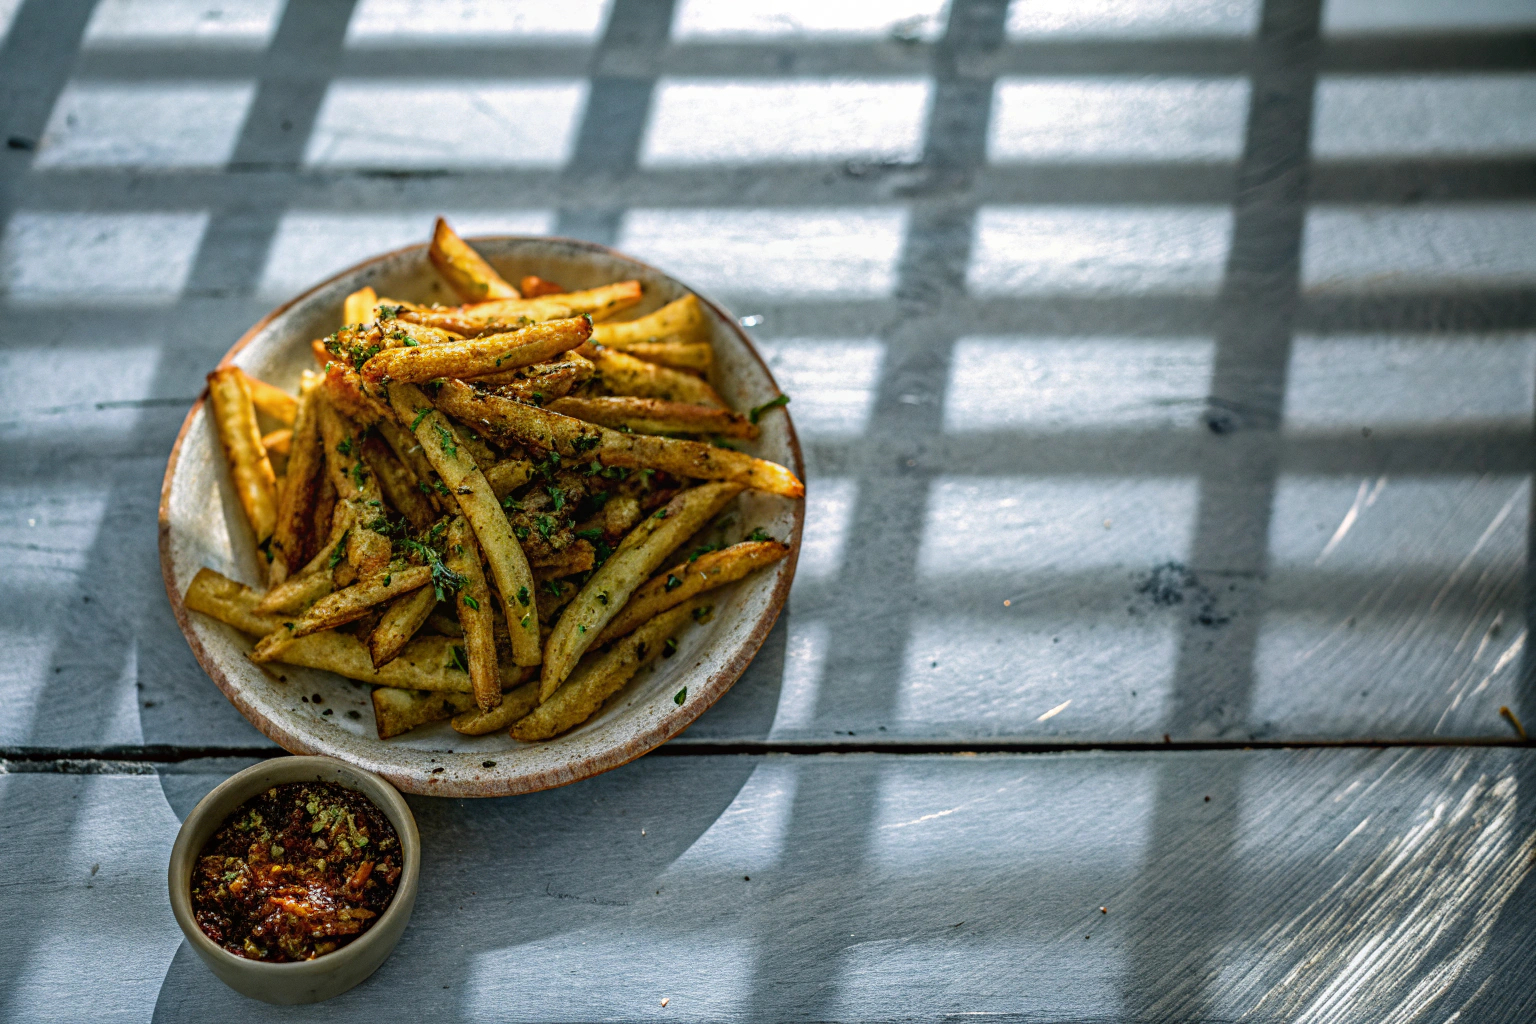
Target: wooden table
column 1166, row 374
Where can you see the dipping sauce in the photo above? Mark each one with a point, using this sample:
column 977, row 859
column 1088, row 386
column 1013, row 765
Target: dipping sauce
column 296, row 872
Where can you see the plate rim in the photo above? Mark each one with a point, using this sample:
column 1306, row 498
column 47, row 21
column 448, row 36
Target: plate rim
column 666, row 728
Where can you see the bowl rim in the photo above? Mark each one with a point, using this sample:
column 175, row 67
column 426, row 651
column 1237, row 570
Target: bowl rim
column 218, row 804
column 667, row 727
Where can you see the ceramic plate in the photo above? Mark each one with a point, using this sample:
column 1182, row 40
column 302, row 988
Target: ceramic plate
column 201, row 525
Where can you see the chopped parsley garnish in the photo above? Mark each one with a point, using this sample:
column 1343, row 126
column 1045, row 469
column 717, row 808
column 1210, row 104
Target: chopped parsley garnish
column 522, row 596
column 661, row 513
column 387, row 312
column 359, row 475
column 586, row 442
column 702, row 550
column 445, row 438
column 456, row 659
column 603, row 551
column 703, row 614
column 471, row 602
column 593, row 534
column 521, row 531
column 345, row 447
column 341, row 549
column 680, row 695
column 669, row 648
column 672, row 583
column 554, row 587
column 771, row 403
column 759, row 535
column 545, row 525
column 421, row 414
column 511, row 504
column 600, row 498
column 558, row 497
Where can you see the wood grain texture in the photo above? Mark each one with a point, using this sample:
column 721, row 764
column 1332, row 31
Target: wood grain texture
column 1313, row 885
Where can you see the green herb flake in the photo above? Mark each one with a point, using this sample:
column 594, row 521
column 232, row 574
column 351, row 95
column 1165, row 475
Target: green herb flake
column 545, row 525
column 669, row 648
column 558, row 497
column 759, row 535
column 341, row 549
column 591, row 534
column 770, row 404
column 521, row 532
column 445, row 438
column 672, row 583
column 456, row 659
column 680, row 695
column 421, row 414
column 345, row 447
column 522, row 596
column 471, row 602
column 661, row 513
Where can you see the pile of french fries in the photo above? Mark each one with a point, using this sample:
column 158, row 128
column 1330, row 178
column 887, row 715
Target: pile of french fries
column 497, row 512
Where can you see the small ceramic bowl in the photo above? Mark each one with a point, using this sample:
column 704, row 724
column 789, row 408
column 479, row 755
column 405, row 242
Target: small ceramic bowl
column 323, row 977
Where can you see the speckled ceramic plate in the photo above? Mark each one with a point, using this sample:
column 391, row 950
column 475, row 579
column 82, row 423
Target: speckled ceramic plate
column 201, row 525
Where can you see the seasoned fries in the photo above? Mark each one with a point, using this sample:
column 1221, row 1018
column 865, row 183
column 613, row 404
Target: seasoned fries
column 471, row 358
column 636, row 558
column 476, row 499
column 234, row 418
column 464, row 269
column 700, row 573
column 576, row 439
column 655, row 416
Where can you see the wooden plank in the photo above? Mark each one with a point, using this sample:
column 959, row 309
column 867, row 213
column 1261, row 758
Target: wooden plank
column 1338, row 885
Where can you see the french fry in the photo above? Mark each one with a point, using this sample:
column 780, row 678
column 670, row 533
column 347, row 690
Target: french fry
column 277, row 442
column 600, row 676
column 687, row 579
column 464, row 480
column 464, row 269
column 324, row 516
column 508, row 475
column 312, row 582
column 399, row 711
column 399, row 624
column 408, row 450
column 292, row 532
column 358, row 489
column 515, row 703
column 477, row 356
column 234, row 419
column 426, row 663
column 624, row 374
column 577, row 557
column 398, row 484
column 572, row 438
column 655, row 416
column 342, row 606
column 474, row 606
column 343, row 388
column 510, row 314
column 679, row 355
column 444, row 623
column 542, row 382
column 272, row 400
column 532, row 287
column 682, row 320
column 357, row 308
column 637, row 556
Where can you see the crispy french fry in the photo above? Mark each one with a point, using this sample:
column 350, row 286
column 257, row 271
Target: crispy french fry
column 474, row 606
column 572, row 438
column 619, row 515
column 444, row 623
column 542, row 382
column 427, row 663
column 398, row 484
column 534, row 344
column 624, row 374
column 292, row 532
column 686, row 579
column 510, row 314
column 682, row 320
column 577, row 557
column 508, row 475
column 600, row 676
column 679, row 355
column 277, row 442
column 464, row 269
column 341, row 607
column 325, row 513
column 532, row 287
column 467, row 484
column 272, row 400
column 343, row 388
column 655, row 416
column 399, row 711
column 342, row 439
column 358, row 307
column 515, row 703
column 312, row 582
column 637, row 556
column 234, row 419
column 408, row 450
column 399, row 624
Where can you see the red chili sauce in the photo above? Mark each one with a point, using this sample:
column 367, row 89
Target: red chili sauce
column 296, row 872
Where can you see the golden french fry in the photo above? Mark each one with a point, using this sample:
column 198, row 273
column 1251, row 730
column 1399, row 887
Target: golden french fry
column 515, row 703
column 637, row 556
column 467, row 484
column 343, row 388
column 408, row 450
column 532, row 287
column 312, row 582
column 473, row 601
column 426, row 663
column 514, row 422
column 398, row 484
column 399, row 711
column 655, row 416
column 234, row 420
column 534, row 344
column 272, row 400
column 325, row 510
column 624, row 374
column 680, row 320
column 576, row 557
column 542, row 382
column 342, row 606
column 277, row 442
column 510, row 314
column 687, row 579
column 508, row 475
column 292, row 532
column 444, row 623
column 679, row 355
column 342, row 439
column 399, row 624
column 464, row 269
column 357, row 308
column 600, row 676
